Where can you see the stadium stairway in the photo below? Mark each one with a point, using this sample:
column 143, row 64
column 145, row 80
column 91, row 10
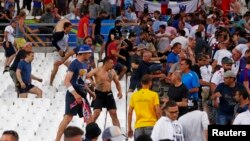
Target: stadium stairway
column 38, row 119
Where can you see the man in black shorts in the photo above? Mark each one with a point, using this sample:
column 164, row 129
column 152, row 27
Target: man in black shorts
column 24, row 76
column 19, row 56
column 76, row 94
column 104, row 97
column 96, row 31
column 8, row 44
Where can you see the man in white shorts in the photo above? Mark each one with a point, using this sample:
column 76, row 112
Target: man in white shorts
column 60, row 42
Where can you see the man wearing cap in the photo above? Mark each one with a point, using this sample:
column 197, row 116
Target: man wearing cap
column 113, row 32
column 92, row 132
column 113, row 133
column 217, row 77
column 75, row 82
column 224, row 95
column 9, row 44
column 60, row 42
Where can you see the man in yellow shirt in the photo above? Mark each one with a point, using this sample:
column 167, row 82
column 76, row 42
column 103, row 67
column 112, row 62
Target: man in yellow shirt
column 146, row 105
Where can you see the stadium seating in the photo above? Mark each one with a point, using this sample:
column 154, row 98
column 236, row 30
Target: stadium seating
column 38, row 119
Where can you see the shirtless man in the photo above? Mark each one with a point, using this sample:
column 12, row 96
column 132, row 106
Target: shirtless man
column 104, row 97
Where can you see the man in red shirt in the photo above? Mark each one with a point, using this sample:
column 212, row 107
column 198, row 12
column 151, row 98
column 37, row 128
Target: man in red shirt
column 113, row 53
column 83, row 28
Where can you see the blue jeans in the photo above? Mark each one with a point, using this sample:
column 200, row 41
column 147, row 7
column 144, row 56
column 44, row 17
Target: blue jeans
column 223, row 119
column 142, row 131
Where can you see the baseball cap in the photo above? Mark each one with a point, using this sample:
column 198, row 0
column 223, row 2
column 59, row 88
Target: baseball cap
column 85, row 49
column 227, row 60
column 92, row 130
column 229, row 73
column 114, row 133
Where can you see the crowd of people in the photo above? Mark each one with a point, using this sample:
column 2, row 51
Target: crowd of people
column 203, row 58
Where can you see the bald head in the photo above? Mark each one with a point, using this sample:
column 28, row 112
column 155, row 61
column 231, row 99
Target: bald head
column 177, row 74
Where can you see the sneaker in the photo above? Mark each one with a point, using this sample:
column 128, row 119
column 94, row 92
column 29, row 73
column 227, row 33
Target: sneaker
column 6, row 69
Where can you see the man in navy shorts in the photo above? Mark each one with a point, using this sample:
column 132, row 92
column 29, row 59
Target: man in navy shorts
column 24, row 76
column 75, row 82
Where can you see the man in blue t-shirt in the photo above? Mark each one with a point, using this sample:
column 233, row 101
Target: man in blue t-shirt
column 24, row 76
column 173, row 55
column 76, row 84
column 191, row 81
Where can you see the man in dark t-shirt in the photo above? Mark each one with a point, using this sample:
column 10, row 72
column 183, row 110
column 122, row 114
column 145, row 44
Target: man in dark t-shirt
column 96, row 31
column 129, row 43
column 75, row 82
column 24, row 77
column 114, row 32
column 20, row 55
column 178, row 92
column 224, row 95
column 201, row 61
column 143, row 67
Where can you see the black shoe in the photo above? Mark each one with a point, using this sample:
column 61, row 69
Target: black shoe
column 6, row 69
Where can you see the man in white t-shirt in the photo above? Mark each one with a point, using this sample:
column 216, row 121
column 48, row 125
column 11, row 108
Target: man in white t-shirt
column 218, row 76
column 243, row 118
column 163, row 38
column 181, row 39
column 221, row 53
column 167, row 127
column 9, row 44
column 197, row 28
column 60, row 41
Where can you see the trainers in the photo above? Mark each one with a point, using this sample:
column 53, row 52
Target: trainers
column 6, row 69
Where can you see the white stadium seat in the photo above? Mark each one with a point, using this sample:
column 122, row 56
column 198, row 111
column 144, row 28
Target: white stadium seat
column 38, row 119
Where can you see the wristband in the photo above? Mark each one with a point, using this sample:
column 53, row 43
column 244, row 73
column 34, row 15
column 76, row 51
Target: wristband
column 71, row 89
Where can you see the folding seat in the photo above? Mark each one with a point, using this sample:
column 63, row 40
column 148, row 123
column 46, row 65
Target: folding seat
column 23, row 102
